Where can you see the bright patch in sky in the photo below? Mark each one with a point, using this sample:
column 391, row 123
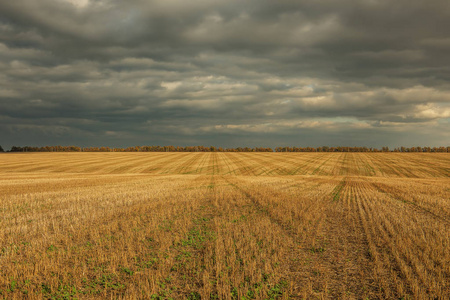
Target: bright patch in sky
column 78, row 3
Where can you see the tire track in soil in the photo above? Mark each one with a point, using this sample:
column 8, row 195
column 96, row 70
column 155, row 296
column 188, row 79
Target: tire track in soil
column 215, row 165
column 179, row 163
column 418, row 261
column 259, row 207
column 343, row 259
column 291, row 164
column 228, row 163
column 201, row 166
column 297, row 274
column 336, row 266
column 184, row 167
column 408, row 268
column 273, row 168
column 428, row 168
column 384, row 288
column 305, row 163
column 137, row 166
column 242, row 166
column 24, row 163
column 127, row 166
column 384, row 244
column 389, row 167
column 204, row 220
column 318, row 170
column 397, row 195
column 160, row 164
column 100, row 164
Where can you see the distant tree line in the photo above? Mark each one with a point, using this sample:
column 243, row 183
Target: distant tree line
column 220, row 149
column 362, row 149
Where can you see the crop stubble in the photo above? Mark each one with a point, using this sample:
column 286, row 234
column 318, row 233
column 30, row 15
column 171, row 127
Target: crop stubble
column 225, row 225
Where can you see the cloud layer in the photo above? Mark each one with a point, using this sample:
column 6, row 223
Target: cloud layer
column 228, row 73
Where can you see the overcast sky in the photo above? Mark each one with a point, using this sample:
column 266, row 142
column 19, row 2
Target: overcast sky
column 225, row 72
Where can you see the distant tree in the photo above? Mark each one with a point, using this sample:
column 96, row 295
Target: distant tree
column 1, row 149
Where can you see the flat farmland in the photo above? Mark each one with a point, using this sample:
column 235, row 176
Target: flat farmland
column 225, row 225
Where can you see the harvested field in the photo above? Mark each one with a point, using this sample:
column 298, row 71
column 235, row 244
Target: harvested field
column 225, row 225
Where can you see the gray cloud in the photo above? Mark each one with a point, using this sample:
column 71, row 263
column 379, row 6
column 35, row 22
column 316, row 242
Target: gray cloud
column 222, row 72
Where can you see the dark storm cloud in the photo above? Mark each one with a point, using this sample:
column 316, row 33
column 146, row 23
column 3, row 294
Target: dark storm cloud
column 224, row 72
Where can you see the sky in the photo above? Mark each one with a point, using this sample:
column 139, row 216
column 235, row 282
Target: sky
column 225, row 72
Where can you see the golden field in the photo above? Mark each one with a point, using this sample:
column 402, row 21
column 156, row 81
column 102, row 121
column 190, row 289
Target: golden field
column 225, row 225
